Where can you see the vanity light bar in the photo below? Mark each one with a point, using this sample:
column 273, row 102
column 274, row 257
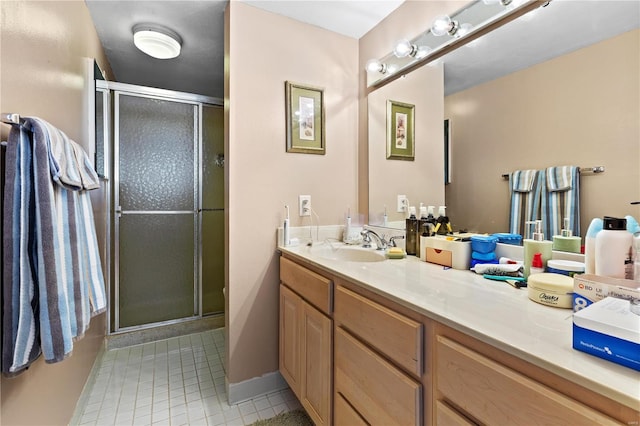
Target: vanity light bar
column 393, row 66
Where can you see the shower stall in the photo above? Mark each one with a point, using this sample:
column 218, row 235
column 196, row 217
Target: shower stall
column 162, row 153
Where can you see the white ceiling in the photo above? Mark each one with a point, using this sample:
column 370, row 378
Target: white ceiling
column 561, row 27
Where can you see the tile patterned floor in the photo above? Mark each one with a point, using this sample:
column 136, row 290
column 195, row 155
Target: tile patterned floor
column 178, row 381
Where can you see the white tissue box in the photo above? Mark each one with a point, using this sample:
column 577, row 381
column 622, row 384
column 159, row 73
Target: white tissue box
column 588, row 289
column 609, row 330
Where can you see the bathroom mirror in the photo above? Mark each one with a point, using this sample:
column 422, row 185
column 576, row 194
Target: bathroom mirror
column 419, row 180
column 542, row 112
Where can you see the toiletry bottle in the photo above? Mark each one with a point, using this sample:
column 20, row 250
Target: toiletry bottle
column 411, row 230
column 536, row 244
column 566, row 241
column 536, row 264
column 431, row 219
column 443, row 226
column 346, row 235
column 424, row 220
column 590, row 246
column 613, row 248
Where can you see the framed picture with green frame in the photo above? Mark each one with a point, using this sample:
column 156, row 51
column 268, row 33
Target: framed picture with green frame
column 400, row 131
column 304, row 107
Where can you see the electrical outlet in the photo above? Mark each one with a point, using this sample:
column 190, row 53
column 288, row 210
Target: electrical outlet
column 304, row 205
column 402, row 204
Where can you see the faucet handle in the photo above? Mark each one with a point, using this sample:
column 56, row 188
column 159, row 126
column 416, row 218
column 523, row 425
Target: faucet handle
column 392, row 240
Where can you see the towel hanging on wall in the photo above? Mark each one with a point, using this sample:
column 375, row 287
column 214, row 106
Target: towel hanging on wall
column 52, row 275
column 524, row 186
column 560, row 199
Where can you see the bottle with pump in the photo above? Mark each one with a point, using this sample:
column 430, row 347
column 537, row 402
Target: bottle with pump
column 614, row 248
column 566, row 241
column 411, row 229
column 443, row 226
column 421, row 223
column 536, row 244
column 431, row 220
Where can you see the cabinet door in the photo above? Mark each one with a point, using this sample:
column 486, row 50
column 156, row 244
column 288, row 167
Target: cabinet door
column 316, row 364
column 383, row 394
column 290, row 317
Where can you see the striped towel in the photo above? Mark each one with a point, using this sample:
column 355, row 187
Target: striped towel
column 51, row 255
column 524, row 186
column 561, row 199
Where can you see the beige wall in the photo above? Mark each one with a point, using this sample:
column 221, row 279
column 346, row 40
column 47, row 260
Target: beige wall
column 42, row 74
column 265, row 50
column 420, row 180
column 407, row 21
column 581, row 109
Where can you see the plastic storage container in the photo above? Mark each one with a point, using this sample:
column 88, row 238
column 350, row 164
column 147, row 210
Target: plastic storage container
column 565, row 267
column 483, row 243
column 506, row 238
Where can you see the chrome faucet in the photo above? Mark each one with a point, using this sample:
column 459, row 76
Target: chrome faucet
column 381, row 243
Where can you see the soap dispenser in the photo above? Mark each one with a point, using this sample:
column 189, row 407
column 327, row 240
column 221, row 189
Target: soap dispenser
column 566, row 241
column 536, row 244
column 443, row 226
column 412, row 224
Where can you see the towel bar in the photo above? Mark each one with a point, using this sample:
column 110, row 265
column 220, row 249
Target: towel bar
column 12, row 119
column 595, row 169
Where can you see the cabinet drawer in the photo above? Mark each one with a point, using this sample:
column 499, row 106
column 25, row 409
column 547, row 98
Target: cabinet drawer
column 447, row 416
column 345, row 414
column 494, row 394
column 394, row 335
column 381, row 392
column 313, row 287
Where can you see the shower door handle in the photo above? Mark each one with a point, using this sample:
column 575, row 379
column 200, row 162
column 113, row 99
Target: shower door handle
column 119, row 211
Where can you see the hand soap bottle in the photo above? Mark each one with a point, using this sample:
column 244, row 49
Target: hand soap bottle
column 566, row 241
column 411, row 230
column 536, row 244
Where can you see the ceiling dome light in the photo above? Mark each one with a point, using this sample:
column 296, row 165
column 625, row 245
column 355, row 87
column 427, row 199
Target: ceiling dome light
column 404, row 48
column 157, row 41
column 443, row 25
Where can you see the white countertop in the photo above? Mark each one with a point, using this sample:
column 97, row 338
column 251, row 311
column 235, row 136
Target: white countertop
column 491, row 311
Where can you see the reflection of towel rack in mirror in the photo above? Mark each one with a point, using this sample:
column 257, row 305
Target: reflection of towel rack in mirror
column 582, row 170
column 13, row 120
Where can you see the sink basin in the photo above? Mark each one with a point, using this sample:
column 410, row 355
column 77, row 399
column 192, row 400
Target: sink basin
column 347, row 253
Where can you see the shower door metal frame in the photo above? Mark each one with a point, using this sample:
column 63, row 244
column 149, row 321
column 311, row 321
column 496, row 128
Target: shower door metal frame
column 112, row 117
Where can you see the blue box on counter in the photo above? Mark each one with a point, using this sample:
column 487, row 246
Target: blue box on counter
column 610, row 330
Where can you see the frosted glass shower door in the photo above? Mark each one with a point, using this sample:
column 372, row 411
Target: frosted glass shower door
column 156, row 195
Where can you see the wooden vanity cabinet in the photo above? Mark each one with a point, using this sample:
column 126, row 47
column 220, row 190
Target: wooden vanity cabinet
column 354, row 357
column 378, row 360
column 475, row 383
column 306, row 349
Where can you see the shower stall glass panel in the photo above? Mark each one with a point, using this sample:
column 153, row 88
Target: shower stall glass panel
column 212, row 218
column 156, row 202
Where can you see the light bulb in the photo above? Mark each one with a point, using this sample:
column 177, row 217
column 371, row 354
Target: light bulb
column 404, row 48
column 464, row 29
column 423, row 52
column 443, row 25
column 374, row 65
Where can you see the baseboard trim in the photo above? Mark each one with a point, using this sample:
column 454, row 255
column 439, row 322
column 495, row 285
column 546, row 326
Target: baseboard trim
column 255, row 387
